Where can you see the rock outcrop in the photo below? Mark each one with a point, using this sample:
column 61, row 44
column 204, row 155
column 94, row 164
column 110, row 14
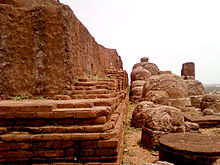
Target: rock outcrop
column 195, row 87
column 211, row 101
column 44, row 47
column 157, row 97
column 157, row 120
column 139, row 111
column 140, row 73
column 172, row 84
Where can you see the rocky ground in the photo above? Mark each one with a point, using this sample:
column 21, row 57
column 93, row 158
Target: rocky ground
column 134, row 152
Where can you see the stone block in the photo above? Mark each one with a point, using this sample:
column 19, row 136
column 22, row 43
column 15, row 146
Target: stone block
column 49, row 153
column 88, row 144
column 110, row 143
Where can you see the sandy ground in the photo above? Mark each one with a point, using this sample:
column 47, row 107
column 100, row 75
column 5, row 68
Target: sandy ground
column 134, row 153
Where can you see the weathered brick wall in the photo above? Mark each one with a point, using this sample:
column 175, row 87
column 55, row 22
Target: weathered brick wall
column 44, row 47
column 55, row 131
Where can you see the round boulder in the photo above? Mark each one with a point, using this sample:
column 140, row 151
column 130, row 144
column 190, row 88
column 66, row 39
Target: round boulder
column 151, row 67
column 140, row 73
column 211, row 101
column 195, row 87
column 138, row 113
column 172, row 84
column 164, row 118
column 157, row 97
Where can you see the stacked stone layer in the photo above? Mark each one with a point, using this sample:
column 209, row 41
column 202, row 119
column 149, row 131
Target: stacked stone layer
column 55, row 131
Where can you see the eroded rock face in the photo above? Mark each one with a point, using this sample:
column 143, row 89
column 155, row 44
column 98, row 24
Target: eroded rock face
column 29, row 3
column 156, row 120
column 137, row 83
column 172, row 84
column 157, row 97
column 151, row 67
column 136, row 90
column 195, row 87
column 44, row 47
column 138, row 113
column 140, row 73
column 164, row 118
column 211, row 101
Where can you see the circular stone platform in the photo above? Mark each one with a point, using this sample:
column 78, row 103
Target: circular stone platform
column 189, row 148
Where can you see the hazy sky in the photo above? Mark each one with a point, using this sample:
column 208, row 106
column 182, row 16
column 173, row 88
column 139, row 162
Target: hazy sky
column 169, row 32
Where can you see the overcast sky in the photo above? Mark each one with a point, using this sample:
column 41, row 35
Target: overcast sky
column 169, row 32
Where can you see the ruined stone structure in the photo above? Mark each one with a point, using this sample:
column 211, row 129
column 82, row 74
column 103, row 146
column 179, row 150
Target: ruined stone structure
column 188, row 71
column 157, row 120
column 140, row 73
column 190, row 149
column 61, row 131
column 211, row 101
column 46, row 51
column 44, row 48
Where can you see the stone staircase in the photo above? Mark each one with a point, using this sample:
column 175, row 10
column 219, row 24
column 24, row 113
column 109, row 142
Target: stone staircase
column 94, row 88
column 86, row 130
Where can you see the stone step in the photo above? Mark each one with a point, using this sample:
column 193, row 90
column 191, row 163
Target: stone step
column 27, row 106
column 96, row 91
column 96, row 80
column 94, row 83
column 93, row 96
column 73, row 113
column 63, row 129
column 106, row 87
column 51, row 121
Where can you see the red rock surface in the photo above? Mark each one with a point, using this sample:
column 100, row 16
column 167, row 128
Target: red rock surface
column 138, row 113
column 172, row 84
column 157, row 97
column 151, row 67
column 44, row 47
column 189, row 148
column 211, row 101
column 195, row 87
column 140, row 73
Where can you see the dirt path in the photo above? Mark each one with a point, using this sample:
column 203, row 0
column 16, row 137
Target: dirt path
column 134, row 153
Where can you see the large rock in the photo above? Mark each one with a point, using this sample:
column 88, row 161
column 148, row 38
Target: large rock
column 138, row 113
column 196, row 101
column 138, row 83
column 172, row 84
column 211, row 101
column 160, row 120
column 195, row 87
column 151, row 67
column 164, row 118
column 140, row 73
column 44, row 47
column 157, row 97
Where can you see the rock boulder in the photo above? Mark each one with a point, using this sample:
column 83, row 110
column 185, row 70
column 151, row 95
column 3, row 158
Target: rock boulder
column 172, row 84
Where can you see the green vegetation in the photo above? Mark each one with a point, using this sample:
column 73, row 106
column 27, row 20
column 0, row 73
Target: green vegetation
column 23, row 97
